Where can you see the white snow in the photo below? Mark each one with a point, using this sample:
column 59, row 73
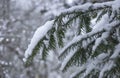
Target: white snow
column 67, row 59
column 118, row 34
column 54, row 75
column 74, row 8
column 70, row 1
column 77, row 8
column 5, row 63
column 1, row 39
column 106, row 67
column 99, row 40
column 97, row 5
column 80, row 69
column 93, row 22
column 116, row 5
column 102, row 56
column 24, row 4
column 116, row 52
column 81, row 37
column 39, row 34
column 85, row 7
column 102, row 23
column 92, row 64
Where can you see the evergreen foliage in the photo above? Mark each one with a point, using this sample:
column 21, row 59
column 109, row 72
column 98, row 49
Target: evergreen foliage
column 93, row 48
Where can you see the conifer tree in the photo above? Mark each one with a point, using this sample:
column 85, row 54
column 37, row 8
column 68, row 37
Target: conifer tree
column 95, row 48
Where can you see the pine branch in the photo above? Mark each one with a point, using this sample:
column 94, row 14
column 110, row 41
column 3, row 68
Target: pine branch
column 99, row 51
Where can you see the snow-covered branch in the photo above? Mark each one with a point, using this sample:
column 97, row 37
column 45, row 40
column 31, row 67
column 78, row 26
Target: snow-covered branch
column 39, row 34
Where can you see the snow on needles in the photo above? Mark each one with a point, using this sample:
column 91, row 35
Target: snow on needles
column 106, row 67
column 116, row 5
column 39, row 34
column 116, row 52
column 66, row 60
column 104, row 21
